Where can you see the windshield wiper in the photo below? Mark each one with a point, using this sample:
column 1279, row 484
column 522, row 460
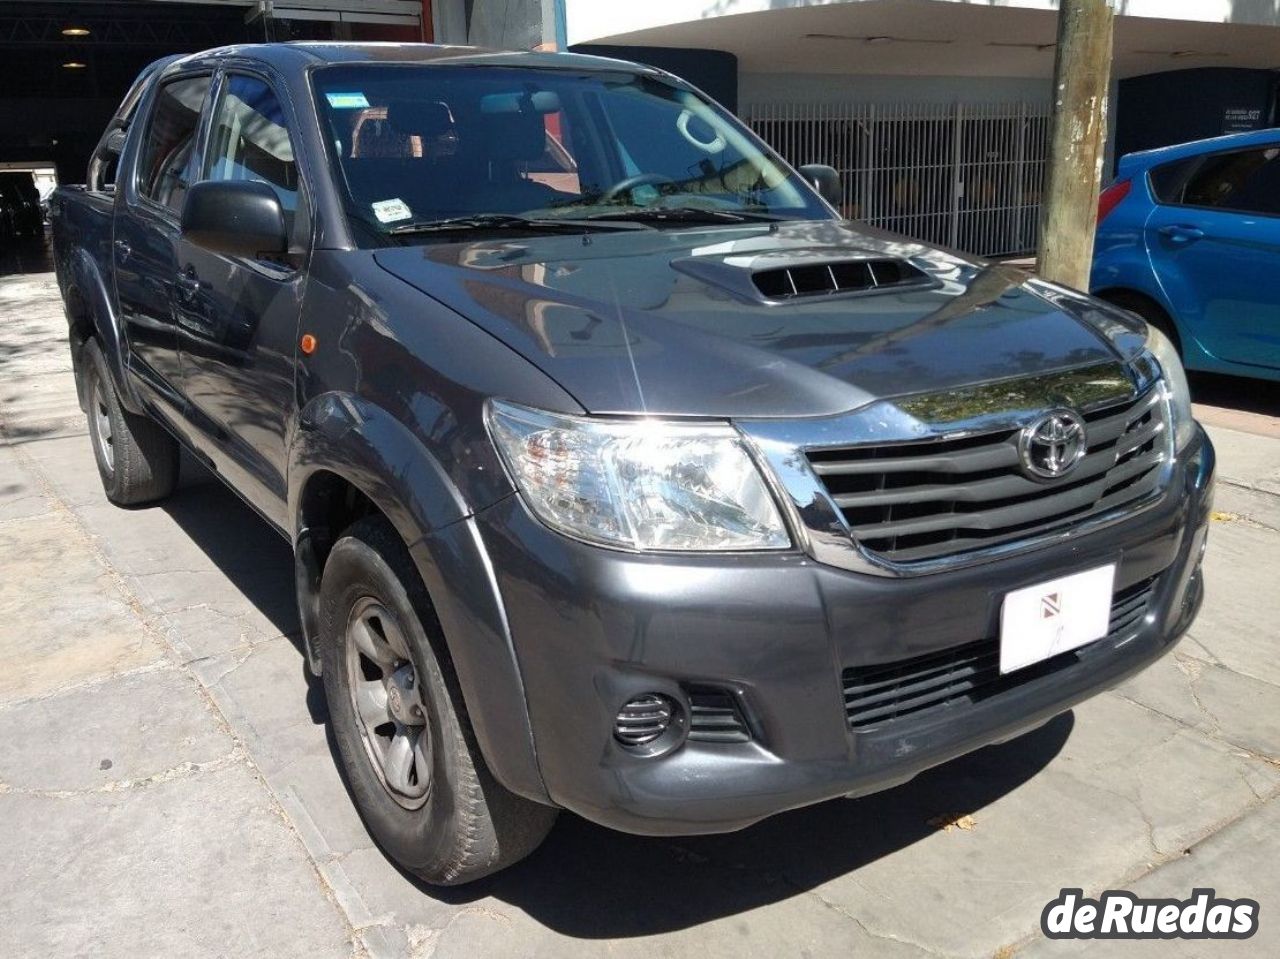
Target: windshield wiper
column 499, row 221
column 682, row 214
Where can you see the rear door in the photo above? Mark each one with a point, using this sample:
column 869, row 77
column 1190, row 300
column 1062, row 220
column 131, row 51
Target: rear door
column 1215, row 246
column 146, row 233
column 239, row 317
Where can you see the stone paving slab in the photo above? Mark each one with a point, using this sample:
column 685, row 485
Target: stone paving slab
column 109, row 733
column 66, row 619
column 1240, row 860
column 194, row 863
column 1247, row 459
column 1239, row 625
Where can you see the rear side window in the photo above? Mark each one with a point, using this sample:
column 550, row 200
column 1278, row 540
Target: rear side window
column 167, row 161
column 1168, row 181
column 1245, row 181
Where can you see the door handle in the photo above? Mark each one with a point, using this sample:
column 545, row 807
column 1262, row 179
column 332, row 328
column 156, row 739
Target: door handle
column 123, row 249
column 1182, row 234
column 187, row 285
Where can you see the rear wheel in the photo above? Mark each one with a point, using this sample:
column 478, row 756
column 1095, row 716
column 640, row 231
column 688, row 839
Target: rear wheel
column 410, row 756
column 137, row 459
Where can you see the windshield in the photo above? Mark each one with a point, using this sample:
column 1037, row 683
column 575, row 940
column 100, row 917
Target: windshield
column 416, row 145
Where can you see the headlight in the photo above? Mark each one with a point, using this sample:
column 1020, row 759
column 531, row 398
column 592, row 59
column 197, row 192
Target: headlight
column 1176, row 388
column 640, row 484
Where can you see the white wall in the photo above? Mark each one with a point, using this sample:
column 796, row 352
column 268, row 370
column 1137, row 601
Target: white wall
column 759, row 88
column 594, row 19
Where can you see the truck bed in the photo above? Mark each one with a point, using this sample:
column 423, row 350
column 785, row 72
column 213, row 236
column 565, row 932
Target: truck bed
column 81, row 221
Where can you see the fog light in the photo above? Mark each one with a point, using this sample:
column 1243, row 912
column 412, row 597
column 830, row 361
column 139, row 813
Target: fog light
column 646, row 719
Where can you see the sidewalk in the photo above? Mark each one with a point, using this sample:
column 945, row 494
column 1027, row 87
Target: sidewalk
column 167, row 788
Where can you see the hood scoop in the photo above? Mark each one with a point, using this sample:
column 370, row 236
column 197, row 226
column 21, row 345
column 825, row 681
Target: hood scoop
column 805, row 274
column 847, row 276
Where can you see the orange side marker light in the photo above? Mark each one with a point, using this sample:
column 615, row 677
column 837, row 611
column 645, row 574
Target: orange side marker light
column 308, row 344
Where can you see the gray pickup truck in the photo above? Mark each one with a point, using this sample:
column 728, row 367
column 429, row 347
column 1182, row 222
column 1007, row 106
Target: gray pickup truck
column 621, row 474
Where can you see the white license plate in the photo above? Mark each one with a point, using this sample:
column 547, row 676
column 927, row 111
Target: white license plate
column 1052, row 617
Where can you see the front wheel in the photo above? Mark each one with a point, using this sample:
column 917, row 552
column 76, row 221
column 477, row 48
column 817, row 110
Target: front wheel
column 410, row 756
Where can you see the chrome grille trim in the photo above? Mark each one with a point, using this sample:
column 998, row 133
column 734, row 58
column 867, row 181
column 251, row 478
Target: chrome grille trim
column 787, row 449
column 902, row 511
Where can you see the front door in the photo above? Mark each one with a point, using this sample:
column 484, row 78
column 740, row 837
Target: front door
column 1217, row 255
column 145, row 236
column 239, row 317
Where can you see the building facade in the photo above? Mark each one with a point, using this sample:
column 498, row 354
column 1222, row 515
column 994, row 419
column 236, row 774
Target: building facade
column 936, row 112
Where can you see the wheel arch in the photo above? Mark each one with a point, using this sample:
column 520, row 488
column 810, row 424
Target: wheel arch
column 351, row 458
column 90, row 313
column 1160, row 316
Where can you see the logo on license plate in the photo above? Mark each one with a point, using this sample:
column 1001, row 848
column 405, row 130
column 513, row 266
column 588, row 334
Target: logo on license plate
column 1050, row 605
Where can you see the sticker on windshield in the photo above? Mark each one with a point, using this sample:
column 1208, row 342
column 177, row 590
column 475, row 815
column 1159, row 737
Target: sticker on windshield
column 347, row 101
column 389, row 211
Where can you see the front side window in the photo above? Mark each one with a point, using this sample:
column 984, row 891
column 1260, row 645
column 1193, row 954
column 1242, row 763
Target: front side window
column 1245, row 181
column 414, row 145
column 249, row 140
column 167, row 161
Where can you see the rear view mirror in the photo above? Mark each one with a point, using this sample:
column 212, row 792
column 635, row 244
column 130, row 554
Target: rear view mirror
column 538, row 101
column 825, row 180
column 235, row 218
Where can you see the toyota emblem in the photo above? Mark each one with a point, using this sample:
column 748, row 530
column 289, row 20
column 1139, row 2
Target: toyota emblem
column 1051, row 447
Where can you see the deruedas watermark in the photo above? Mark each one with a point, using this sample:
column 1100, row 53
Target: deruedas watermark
column 1118, row 914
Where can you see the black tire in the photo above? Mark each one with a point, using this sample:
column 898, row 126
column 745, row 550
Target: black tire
column 466, row 825
column 138, row 461
column 1149, row 310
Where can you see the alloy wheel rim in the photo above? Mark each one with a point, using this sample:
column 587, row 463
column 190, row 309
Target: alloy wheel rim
column 100, row 417
column 386, row 698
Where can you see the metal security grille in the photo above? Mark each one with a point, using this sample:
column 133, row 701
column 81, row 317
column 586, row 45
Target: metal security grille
column 962, row 175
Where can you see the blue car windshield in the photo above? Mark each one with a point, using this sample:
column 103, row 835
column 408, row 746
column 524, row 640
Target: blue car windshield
column 416, row 145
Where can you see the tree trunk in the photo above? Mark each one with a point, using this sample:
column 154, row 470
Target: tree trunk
column 1082, row 77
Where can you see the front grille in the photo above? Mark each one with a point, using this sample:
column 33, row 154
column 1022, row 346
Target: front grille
column 874, row 695
column 714, row 716
column 923, row 500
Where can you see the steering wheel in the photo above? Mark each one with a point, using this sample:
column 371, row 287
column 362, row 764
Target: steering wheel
column 632, row 182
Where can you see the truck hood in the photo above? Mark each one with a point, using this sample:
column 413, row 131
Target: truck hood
column 670, row 322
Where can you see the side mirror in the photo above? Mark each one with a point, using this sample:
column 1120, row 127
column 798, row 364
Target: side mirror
column 235, row 218
column 826, row 181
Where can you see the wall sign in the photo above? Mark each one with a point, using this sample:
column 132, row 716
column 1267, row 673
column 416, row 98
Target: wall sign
column 1241, row 120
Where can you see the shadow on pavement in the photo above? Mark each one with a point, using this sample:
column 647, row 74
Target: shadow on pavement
column 27, row 256
column 252, row 555
column 1236, row 393
column 593, row 883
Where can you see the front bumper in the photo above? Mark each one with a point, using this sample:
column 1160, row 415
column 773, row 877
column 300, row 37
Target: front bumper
column 593, row 627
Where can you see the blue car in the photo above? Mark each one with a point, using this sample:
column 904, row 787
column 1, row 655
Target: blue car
column 1189, row 238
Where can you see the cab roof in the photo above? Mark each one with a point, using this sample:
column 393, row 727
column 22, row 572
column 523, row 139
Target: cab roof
column 301, row 54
